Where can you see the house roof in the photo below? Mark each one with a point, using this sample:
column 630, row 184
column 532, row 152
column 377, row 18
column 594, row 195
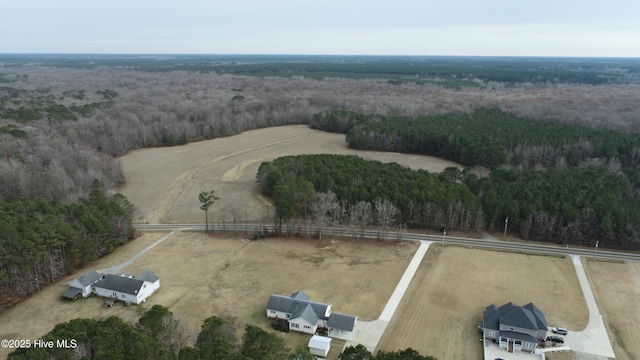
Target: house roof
column 87, row 278
column 149, row 276
column 509, row 314
column 518, row 336
column 342, row 322
column 121, row 284
column 71, row 292
column 539, row 316
column 519, row 317
column 491, row 318
column 292, row 306
column 320, row 342
column 300, row 295
column 307, row 313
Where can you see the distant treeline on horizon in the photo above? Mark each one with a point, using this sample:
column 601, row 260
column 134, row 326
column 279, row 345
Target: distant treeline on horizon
column 468, row 71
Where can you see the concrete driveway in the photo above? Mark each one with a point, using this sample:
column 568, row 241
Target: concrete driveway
column 593, row 339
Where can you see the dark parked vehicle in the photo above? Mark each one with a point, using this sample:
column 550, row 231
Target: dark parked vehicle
column 555, row 339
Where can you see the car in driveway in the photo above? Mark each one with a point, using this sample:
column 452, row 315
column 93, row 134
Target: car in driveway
column 555, row 339
column 559, row 330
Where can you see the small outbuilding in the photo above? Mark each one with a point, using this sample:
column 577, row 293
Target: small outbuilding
column 319, row 345
column 81, row 286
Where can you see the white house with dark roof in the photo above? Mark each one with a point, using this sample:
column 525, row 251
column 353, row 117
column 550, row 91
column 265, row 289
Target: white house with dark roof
column 515, row 328
column 82, row 286
column 307, row 316
column 127, row 288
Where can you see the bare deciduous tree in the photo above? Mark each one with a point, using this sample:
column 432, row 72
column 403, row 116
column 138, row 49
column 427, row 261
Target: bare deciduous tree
column 323, row 207
column 386, row 214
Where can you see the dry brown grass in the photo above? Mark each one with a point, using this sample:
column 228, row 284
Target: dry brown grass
column 232, row 278
column 164, row 183
column 443, row 305
column 616, row 287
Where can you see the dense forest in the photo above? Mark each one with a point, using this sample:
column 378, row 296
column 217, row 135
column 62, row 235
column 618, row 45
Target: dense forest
column 486, row 137
column 158, row 335
column 42, row 241
column 576, row 205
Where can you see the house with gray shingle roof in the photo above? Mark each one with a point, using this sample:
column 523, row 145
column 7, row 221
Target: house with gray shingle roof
column 127, row 288
column 513, row 327
column 307, row 316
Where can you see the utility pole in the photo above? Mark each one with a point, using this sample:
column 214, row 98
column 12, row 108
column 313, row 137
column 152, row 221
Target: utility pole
column 506, row 221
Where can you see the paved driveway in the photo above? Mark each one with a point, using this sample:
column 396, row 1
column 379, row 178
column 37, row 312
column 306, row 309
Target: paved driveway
column 594, row 338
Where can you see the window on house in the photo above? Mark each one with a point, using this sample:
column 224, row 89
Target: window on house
column 518, row 342
column 288, row 316
column 307, row 327
column 273, row 311
column 294, row 325
column 124, row 296
column 503, row 339
column 527, row 345
column 492, row 333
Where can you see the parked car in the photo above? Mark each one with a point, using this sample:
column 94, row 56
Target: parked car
column 559, row 330
column 555, row 339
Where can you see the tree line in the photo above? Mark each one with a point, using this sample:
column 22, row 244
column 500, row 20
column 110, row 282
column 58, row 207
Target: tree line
column 158, row 335
column 577, row 205
column 486, row 137
column 42, row 241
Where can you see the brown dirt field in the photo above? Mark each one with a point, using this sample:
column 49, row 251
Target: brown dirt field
column 231, row 278
column 616, row 287
column 445, row 301
column 164, row 183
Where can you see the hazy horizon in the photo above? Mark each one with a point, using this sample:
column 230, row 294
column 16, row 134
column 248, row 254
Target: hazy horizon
column 542, row 28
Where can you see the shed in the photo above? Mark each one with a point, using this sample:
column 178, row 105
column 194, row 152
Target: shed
column 319, row 345
column 83, row 285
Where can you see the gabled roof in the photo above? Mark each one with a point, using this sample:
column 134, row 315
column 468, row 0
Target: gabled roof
column 149, row 276
column 341, row 322
column 491, row 318
column 300, row 295
column 320, row 342
column 539, row 316
column 121, row 284
column 88, row 278
column 518, row 336
column 509, row 314
column 307, row 313
column 519, row 317
column 71, row 292
column 296, row 307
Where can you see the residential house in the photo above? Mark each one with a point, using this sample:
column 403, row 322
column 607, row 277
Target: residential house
column 81, row 286
column 513, row 327
column 127, row 288
column 307, row 316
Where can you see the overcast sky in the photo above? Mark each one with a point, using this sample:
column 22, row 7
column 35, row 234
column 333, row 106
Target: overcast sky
column 366, row 27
